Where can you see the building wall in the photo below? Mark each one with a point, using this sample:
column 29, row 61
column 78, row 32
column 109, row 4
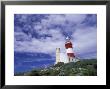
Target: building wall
column 63, row 57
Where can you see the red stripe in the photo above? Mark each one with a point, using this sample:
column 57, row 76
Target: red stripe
column 68, row 45
column 71, row 54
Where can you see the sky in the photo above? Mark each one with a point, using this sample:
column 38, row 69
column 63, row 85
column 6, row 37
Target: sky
column 43, row 33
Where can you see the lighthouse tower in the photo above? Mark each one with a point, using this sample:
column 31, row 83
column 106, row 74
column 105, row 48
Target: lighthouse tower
column 57, row 55
column 69, row 50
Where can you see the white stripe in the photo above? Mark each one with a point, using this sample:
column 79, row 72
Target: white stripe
column 67, row 42
column 69, row 50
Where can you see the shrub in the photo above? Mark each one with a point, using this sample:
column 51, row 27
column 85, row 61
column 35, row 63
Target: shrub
column 32, row 73
column 59, row 64
column 81, row 68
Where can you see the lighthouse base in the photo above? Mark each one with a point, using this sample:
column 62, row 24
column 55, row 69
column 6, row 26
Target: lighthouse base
column 64, row 58
column 75, row 60
column 71, row 59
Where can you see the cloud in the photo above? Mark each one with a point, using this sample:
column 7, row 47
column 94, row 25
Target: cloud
column 47, row 45
column 85, row 41
column 20, row 36
column 45, row 33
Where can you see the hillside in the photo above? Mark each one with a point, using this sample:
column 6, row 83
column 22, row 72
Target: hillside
column 81, row 68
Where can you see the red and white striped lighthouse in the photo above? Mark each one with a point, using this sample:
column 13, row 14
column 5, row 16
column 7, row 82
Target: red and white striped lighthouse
column 69, row 50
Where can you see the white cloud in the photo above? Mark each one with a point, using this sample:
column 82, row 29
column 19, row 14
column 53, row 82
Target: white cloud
column 84, row 37
column 20, row 36
column 56, row 19
column 47, row 45
column 76, row 18
column 85, row 40
column 23, row 18
column 63, row 20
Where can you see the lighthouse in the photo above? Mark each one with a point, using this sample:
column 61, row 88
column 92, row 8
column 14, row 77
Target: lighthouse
column 69, row 50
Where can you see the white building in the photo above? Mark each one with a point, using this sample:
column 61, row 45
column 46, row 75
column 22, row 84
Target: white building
column 62, row 57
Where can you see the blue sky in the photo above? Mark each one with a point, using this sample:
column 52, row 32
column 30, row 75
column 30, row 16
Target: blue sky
column 43, row 33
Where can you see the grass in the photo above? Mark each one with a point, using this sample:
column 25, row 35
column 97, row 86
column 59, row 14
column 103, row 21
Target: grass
column 81, row 68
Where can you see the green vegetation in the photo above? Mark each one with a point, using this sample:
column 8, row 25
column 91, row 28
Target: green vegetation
column 80, row 68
